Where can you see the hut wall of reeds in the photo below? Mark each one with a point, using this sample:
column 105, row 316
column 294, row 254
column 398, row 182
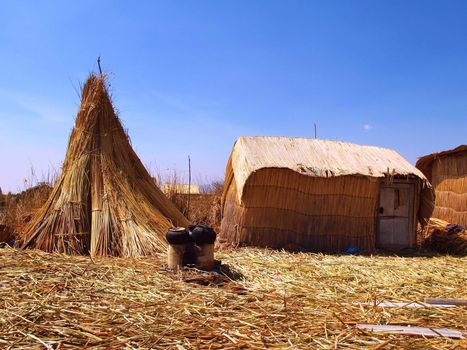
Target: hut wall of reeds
column 104, row 202
column 447, row 172
column 310, row 194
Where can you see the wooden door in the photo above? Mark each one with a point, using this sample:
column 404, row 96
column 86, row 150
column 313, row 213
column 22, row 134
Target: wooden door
column 394, row 216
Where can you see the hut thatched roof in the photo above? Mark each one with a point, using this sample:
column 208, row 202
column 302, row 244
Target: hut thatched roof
column 313, row 157
column 425, row 163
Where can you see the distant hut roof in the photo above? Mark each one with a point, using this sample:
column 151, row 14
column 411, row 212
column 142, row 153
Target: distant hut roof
column 168, row 188
column 426, row 162
column 313, row 157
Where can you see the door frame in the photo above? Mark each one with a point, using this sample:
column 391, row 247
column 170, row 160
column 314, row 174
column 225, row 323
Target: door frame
column 412, row 217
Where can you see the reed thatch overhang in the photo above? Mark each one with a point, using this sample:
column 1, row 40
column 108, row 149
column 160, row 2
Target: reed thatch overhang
column 425, row 163
column 314, row 157
column 104, row 202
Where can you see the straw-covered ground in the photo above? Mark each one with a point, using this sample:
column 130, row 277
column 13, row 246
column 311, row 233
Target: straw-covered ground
column 277, row 300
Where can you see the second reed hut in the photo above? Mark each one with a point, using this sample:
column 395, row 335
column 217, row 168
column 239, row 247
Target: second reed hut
column 447, row 172
column 321, row 195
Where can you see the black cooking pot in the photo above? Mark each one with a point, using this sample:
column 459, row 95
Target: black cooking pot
column 178, row 235
column 201, row 234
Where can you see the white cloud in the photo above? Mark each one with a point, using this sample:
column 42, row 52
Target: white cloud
column 367, row 127
column 38, row 107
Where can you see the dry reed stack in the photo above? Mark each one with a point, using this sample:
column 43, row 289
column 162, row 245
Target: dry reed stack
column 447, row 172
column 105, row 202
column 445, row 238
column 310, row 194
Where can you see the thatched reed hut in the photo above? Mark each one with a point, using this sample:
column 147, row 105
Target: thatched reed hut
column 104, row 202
column 447, row 172
column 321, row 195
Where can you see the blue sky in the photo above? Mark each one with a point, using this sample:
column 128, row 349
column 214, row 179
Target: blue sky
column 190, row 77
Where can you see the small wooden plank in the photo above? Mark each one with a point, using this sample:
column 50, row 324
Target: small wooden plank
column 446, row 301
column 424, row 331
column 412, row 305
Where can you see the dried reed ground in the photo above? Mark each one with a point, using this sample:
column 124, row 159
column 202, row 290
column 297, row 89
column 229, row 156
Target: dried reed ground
column 284, row 301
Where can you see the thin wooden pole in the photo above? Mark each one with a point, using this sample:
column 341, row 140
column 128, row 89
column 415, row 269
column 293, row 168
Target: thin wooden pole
column 189, row 187
column 446, row 301
column 99, row 64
